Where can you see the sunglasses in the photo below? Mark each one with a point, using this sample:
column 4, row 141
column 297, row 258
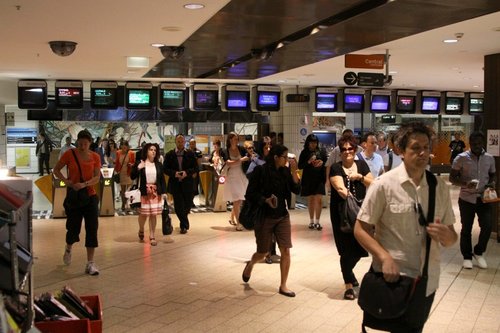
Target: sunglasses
column 421, row 218
column 346, row 149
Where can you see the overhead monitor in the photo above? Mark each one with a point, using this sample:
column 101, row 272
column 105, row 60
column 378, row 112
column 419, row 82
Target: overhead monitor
column 204, row 97
column 354, row 102
column 235, row 98
column 171, row 96
column 103, row 95
column 430, row 104
column 454, row 103
column 69, row 94
column 266, row 98
column 405, row 101
column 32, row 94
column 380, row 101
column 326, row 99
column 139, row 95
column 476, row 102
column 50, row 113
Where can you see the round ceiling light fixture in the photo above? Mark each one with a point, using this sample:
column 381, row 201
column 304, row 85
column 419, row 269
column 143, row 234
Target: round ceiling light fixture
column 194, row 6
column 62, row 48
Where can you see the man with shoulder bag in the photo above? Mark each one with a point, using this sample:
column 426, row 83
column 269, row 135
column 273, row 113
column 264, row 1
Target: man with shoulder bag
column 412, row 214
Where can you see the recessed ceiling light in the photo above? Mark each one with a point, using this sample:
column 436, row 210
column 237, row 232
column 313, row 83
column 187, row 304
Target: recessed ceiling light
column 393, row 72
column 157, row 44
column 475, row 86
column 171, row 28
column 137, row 62
column 450, row 41
column 194, row 6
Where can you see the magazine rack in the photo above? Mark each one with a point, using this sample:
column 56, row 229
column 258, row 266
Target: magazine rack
column 16, row 242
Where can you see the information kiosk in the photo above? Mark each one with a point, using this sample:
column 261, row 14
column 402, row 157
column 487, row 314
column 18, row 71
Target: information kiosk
column 107, row 193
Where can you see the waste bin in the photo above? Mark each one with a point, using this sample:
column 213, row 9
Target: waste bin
column 107, row 193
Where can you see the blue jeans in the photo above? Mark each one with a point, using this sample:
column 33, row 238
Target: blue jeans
column 468, row 212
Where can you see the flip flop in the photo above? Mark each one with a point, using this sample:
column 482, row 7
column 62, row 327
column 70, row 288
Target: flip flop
column 231, row 222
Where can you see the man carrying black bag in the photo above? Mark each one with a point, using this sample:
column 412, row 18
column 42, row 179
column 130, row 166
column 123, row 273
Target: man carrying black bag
column 397, row 204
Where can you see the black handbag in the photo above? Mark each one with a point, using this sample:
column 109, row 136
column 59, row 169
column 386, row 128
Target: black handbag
column 387, row 306
column 250, row 214
column 76, row 199
column 166, row 220
column 349, row 210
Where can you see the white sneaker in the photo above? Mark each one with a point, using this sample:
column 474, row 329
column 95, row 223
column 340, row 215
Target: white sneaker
column 467, row 264
column 91, row 268
column 67, row 257
column 481, row 262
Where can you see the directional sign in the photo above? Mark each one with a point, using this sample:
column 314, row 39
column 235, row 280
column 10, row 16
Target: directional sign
column 371, row 79
column 350, row 78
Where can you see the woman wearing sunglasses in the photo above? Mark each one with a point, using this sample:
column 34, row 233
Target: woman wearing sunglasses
column 348, row 177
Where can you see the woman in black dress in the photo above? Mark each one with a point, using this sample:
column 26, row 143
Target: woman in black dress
column 312, row 161
column 348, row 177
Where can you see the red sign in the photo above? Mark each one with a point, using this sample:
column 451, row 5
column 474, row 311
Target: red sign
column 371, row 61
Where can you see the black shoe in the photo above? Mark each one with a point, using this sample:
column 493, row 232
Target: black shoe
column 183, row 231
column 243, row 276
column 287, row 293
column 355, row 283
column 269, row 260
column 349, row 294
column 318, row 226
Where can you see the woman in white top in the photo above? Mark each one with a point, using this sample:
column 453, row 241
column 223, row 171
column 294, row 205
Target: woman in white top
column 236, row 180
column 153, row 189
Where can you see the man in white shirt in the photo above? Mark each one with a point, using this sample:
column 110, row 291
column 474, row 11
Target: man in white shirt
column 67, row 146
column 374, row 161
column 383, row 148
column 394, row 207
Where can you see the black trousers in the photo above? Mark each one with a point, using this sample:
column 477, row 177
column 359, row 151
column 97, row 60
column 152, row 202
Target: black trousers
column 43, row 159
column 74, row 223
column 183, row 200
column 467, row 213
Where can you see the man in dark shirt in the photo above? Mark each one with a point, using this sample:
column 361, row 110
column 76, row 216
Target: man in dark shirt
column 43, row 149
column 457, row 146
column 180, row 165
column 198, row 155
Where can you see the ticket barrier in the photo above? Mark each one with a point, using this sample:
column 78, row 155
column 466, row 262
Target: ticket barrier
column 107, row 193
column 216, row 197
column 58, row 196
column 206, row 179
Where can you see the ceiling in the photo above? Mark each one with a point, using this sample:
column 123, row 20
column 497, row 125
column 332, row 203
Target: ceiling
column 225, row 31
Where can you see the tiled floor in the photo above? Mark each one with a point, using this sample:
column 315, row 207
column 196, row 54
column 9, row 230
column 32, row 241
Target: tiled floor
column 193, row 284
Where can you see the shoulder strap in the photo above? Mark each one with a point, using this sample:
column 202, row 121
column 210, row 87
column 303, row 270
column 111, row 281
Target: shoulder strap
column 391, row 158
column 78, row 163
column 360, row 157
column 432, row 182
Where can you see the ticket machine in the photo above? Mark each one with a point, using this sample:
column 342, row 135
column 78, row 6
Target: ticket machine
column 107, row 193
column 58, row 196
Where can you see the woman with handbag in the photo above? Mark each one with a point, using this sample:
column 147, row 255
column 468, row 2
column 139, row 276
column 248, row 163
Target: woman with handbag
column 84, row 171
column 269, row 187
column 153, row 189
column 349, row 177
column 125, row 159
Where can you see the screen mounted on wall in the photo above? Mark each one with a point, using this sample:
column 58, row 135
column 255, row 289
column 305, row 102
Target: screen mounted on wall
column 476, row 105
column 405, row 104
column 103, row 95
column 354, row 102
column 430, row 104
column 380, row 103
column 69, row 94
column 32, row 94
column 326, row 102
column 454, row 105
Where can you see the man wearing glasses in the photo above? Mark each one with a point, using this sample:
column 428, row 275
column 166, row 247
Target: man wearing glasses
column 394, row 205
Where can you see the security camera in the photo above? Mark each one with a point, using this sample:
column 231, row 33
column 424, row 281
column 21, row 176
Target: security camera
column 62, row 48
column 172, row 52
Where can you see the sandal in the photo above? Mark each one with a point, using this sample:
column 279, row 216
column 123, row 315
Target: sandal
column 152, row 241
column 141, row 235
column 349, row 294
column 231, row 222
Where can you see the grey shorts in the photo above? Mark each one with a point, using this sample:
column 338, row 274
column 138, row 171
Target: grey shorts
column 280, row 228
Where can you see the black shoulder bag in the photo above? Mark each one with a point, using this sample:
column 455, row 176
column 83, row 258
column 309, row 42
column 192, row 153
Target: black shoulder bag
column 388, row 306
column 76, row 199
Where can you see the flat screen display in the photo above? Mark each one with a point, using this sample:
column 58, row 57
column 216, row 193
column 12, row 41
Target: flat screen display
column 476, row 105
column 69, row 98
column 103, row 98
column 430, row 104
column 405, row 104
column 32, row 97
column 237, row 100
column 139, row 98
column 205, row 99
column 380, row 103
column 51, row 113
column 268, row 100
column 454, row 105
column 354, row 102
column 326, row 102
column 172, row 99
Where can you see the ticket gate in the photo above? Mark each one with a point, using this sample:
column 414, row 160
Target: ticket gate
column 107, row 193
column 58, row 196
column 206, row 180
column 216, row 197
